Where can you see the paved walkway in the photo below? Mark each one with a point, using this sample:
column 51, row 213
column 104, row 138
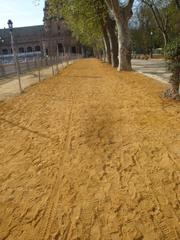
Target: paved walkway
column 90, row 154
column 153, row 68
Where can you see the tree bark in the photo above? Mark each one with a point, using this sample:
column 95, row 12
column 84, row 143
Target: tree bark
column 82, row 51
column 175, row 81
column 165, row 36
column 103, row 55
column 124, row 43
column 173, row 92
column 107, row 46
column 122, row 15
column 160, row 18
column 104, row 51
column 113, row 42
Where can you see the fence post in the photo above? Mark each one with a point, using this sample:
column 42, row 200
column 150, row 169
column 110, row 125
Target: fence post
column 17, row 67
column 39, row 70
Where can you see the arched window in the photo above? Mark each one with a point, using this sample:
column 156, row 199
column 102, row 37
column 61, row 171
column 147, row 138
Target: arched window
column 60, row 48
column 29, row 49
column 73, row 49
column 21, row 50
column 37, row 48
column 5, row 51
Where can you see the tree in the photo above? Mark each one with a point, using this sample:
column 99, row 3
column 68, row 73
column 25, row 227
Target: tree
column 159, row 9
column 90, row 23
column 108, row 27
column 177, row 2
column 174, row 20
column 162, row 17
column 111, row 31
column 80, row 17
column 122, row 14
column 141, row 27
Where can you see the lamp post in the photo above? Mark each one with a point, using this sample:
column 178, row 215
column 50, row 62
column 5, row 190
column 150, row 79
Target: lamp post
column 10, row 25
column 151, row 34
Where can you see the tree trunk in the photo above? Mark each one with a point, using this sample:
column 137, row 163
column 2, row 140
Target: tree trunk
column 97, row 53
column 104, row 55
column 124, row 43
column 173, row 92
column 104, row 51
column 107, row 46
column 113, row 42
column 82, row 51
column 122, row 15
column 165, row 36
column 175, row 81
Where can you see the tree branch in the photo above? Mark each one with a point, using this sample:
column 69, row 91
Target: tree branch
column 156, row 14
column 109, row 4
column 177, row 4
column 130, row 4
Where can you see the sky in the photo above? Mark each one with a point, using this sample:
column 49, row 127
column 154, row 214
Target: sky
column 21, row 12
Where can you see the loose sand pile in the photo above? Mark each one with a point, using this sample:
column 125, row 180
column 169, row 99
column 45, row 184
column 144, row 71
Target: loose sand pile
column 90, row 154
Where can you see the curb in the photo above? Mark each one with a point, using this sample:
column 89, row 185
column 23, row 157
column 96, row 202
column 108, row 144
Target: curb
column 154, row 77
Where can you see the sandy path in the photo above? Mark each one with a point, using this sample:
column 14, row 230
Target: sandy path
column 91, row 154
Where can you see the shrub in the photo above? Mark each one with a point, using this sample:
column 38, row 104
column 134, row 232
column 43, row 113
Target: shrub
column 172, row 54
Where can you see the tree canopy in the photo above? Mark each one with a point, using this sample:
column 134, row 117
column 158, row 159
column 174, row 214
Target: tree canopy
column 81, row 17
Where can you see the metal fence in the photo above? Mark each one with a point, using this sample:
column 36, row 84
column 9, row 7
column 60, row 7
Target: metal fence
column 34, row 63
column 15, row 77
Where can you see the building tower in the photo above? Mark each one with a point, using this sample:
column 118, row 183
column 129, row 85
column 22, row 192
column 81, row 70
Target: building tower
column 58, row 38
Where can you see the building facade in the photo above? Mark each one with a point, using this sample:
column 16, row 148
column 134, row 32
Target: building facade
column 51, row 39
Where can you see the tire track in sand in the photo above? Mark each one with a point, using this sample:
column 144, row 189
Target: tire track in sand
column 44, row 232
